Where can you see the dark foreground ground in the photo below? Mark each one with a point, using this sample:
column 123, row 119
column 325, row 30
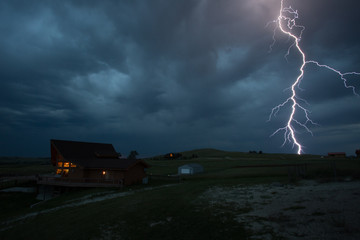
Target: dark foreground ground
column 224, row 202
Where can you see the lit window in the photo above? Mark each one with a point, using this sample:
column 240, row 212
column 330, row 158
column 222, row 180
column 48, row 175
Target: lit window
column 73, row 165
column 66, row 164
column 103, row 172
column 58, row 171
column 66, row 171
column 59, row 164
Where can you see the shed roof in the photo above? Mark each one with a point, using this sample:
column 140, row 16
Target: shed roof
column 93, row 155
column 193, row 165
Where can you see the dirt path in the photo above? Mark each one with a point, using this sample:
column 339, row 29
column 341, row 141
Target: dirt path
column 91, row 198
column 309, row 210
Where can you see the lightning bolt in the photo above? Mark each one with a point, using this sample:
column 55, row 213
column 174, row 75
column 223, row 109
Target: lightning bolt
column 286, row 23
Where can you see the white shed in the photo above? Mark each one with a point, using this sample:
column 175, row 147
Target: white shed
column 191, row 168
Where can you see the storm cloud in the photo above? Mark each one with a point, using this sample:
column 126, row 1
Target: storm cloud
column 160, row 76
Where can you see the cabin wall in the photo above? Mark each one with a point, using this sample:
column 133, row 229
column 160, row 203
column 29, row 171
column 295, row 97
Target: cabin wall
column 92, row 173
column 134, row 175
column 116, row 174
column 63, row 167
column 76, row 173
column 55, row 156
column 109, row 175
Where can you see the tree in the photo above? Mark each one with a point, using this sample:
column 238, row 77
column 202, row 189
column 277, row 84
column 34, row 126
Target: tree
column 133, row 154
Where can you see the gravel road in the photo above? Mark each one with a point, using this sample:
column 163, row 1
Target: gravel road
column 306, row 210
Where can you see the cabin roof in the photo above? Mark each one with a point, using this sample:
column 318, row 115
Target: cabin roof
column 93, row 155
column 72, row 149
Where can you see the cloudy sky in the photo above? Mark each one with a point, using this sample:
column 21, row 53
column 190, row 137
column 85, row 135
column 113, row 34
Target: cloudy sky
column 159, row 76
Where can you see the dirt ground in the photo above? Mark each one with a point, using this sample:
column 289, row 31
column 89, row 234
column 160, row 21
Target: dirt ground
column 306, row 210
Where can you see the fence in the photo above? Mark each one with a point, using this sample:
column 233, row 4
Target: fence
column 165, row 177
column 80, row 182
column 13, row 180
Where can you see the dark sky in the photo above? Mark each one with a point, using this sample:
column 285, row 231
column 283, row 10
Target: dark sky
column 159, row 76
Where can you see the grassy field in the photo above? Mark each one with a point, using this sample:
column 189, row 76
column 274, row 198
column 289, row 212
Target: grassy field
column 163, row 209
column 24, row 166
column 221, row 164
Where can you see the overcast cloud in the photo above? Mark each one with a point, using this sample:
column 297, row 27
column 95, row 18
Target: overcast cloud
column 160, row 76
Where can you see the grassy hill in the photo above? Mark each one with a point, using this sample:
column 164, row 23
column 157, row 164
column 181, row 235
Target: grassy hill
column 24, row 166
column 223, row 164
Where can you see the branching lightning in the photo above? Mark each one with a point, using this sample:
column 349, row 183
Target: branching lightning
column 286, row 23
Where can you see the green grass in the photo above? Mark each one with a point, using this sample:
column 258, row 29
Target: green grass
column 294, row 208
column 24, row 166
column 165, row 213
column 220, row 164
column 21, row 160
column 25, row 169
column 174, row 212
column 15, row 204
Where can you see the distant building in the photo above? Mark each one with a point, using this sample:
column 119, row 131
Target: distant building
column 357, row 152
column 336, row 154
column 92, row 165
column 190, row 169
column 172, row 155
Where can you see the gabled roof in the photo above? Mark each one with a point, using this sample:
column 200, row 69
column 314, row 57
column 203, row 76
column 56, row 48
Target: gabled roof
column 72, row 149
column 93, row 155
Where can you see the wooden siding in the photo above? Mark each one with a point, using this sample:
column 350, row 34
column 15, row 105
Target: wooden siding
column 134, row 175
column 94, row 161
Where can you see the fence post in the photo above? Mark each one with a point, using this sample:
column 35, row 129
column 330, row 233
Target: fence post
column 333, row 165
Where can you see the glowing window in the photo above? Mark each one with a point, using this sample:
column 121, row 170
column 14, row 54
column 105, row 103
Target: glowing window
column 58, row 171
column 66, row 164
column 59, row 164
column 66, row 171
column 171, row 155
column 73, row 165
column 103, row 172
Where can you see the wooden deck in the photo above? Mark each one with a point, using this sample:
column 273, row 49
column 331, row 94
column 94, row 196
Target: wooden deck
column 83, row 182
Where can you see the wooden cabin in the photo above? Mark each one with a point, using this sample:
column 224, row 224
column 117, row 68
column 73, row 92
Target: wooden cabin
column 93, row 164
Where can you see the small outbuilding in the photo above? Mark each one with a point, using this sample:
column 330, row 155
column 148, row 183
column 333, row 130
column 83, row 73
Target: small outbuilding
column 336, row 154
column 173, row 155
column 190, row 169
